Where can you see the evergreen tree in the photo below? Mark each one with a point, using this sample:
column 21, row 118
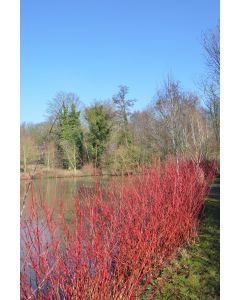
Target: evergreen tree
column 99, row 131
column 70, row 137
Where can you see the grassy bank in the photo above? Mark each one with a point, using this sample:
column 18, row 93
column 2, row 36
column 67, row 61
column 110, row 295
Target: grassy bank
column 194, row 274
column 85, row 171
column 42, row 172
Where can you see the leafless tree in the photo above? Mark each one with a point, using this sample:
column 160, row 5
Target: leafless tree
column 168, row 106
column 211, row 45
column 148, row 134
column 122, row 112
column 62, row 99
column 211, row 83
column 28, row 149
column 49, row 154
column 180, row 125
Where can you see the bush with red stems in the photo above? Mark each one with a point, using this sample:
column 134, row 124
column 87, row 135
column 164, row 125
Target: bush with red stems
column 120, row 237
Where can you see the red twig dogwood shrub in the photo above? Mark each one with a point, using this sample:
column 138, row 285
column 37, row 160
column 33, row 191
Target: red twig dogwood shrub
column 119, row 238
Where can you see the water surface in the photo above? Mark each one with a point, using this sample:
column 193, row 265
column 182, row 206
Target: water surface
column 54, row 190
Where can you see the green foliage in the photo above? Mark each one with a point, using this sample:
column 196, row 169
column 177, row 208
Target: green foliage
column 99, row 132
column 70, row 137
column 118, row 138
column 125, row 158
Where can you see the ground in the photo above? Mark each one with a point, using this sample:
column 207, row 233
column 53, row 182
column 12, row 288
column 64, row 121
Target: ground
column 195, row 274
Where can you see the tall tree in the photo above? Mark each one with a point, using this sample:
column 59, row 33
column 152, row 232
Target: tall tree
column 49, row 154
column 211, row 82
column 99, row 122
column 28, row 150
column 62, row 99
column 181, row 122
column 211, row 45
column 63, row 113
column 122, row 110
column 70, row 137
column 167, row 106
column 147, row 133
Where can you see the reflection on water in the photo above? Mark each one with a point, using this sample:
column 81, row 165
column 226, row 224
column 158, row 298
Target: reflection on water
column 53, row 190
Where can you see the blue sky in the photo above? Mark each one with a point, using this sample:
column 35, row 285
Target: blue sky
column 91, row 47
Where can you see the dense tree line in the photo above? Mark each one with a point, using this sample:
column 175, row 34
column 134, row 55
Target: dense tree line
column 111, row 135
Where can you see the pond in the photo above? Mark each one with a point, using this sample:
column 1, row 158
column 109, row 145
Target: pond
column 58, row 189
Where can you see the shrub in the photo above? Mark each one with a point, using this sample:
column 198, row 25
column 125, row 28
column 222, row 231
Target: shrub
column 125, row 158
column 120, row 237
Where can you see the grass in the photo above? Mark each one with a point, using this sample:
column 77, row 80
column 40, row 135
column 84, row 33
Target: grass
column 194, row 274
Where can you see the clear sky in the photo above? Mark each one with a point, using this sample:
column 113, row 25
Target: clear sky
column 91, row 47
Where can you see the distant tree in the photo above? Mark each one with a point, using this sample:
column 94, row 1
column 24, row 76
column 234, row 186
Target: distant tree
column 168, row 105
column 212, row 102
column 63, row 114
column 122, row 111
column 147, row 134
column 211, row 83
column 211, row 45
column 195, row 129
column 28, row 149
column 50, row 154
column 42, row 137
column 126, row 159
column 182, row 126
column 70, row 137
column 99, row 122
column 61, row 100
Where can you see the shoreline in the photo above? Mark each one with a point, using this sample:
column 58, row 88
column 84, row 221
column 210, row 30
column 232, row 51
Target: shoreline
column 67, row 174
